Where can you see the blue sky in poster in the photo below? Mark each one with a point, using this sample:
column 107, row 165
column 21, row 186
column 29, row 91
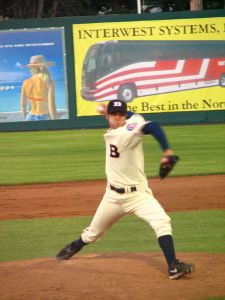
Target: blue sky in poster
column 16, row 48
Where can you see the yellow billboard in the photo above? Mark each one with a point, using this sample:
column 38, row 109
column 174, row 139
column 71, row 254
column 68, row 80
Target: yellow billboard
column 155, row 66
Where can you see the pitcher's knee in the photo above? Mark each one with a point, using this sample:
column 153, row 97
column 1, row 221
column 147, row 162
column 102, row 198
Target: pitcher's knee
column 163, row 229
column 90, row 236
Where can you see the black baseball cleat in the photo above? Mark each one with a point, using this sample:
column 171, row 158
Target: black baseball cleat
column 70, row 250
column 178, row 269
column 66, row 253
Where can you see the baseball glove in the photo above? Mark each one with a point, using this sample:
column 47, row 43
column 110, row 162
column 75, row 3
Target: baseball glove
column 167, row 164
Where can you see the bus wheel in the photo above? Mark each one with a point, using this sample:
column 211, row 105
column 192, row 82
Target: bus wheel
column 222, row 80
column 127, row 93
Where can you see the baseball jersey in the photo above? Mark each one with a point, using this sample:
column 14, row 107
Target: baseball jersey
column 124, row 153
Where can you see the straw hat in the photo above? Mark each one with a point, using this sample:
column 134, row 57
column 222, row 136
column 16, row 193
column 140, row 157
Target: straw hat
column 39, row 61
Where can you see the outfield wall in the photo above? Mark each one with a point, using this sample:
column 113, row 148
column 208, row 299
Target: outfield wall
column 73, row 36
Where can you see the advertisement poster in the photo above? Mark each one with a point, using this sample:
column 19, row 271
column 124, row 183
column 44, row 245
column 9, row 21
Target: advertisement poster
column 33, row 85
column 155, row 66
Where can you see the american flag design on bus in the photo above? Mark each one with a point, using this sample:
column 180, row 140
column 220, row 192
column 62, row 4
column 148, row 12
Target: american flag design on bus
column 157, row 77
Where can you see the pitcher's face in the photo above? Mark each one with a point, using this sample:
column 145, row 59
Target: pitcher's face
column 117, row 119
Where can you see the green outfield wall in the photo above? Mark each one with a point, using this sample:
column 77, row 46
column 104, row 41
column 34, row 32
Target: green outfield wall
column 190, row 106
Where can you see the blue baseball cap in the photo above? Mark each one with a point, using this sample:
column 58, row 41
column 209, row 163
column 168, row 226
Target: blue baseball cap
column 117, row 105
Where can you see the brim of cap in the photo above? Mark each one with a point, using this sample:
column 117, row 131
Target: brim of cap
column 115, row 109
column 47, row 64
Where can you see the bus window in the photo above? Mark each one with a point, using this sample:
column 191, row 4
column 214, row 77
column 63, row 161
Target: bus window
column 90, row 64
column 105, row 65
column 159, row 54
column 118, row 58
column 105, row 62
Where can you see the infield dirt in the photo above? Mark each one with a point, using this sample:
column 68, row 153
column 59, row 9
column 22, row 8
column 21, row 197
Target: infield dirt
column 110, row 276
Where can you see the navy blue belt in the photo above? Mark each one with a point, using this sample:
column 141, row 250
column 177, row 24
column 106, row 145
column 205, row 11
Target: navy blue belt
column 123, row 190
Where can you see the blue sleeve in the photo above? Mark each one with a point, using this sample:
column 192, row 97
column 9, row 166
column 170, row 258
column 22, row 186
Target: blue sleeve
column 129, row 114
column 154, row 129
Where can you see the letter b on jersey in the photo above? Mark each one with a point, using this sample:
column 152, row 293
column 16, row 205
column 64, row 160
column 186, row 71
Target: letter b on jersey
column 114, row 151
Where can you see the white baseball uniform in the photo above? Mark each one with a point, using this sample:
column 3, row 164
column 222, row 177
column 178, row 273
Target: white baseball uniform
column 127, row 188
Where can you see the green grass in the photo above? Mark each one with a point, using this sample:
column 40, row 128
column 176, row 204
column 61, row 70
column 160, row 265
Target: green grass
column 197, row 146
column 214, row 298
column 67, row 155
column 51, row 156
column 197, row 231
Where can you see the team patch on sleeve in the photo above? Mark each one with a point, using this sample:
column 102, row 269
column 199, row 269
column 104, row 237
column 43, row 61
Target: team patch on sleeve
column 131, row 126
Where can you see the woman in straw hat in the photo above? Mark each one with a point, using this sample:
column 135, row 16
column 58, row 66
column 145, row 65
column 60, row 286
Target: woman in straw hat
column 39, row 90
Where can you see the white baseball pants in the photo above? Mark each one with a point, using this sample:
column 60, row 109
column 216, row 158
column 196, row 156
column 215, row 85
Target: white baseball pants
column 113, row 206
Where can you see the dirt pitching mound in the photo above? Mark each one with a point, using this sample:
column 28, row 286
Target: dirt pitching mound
column 111, row 276
column 82, row 198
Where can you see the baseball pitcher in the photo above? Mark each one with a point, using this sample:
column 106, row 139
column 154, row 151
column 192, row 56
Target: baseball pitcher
column 127, row 189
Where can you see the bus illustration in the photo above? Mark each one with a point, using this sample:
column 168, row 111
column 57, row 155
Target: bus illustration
column 129, row 69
